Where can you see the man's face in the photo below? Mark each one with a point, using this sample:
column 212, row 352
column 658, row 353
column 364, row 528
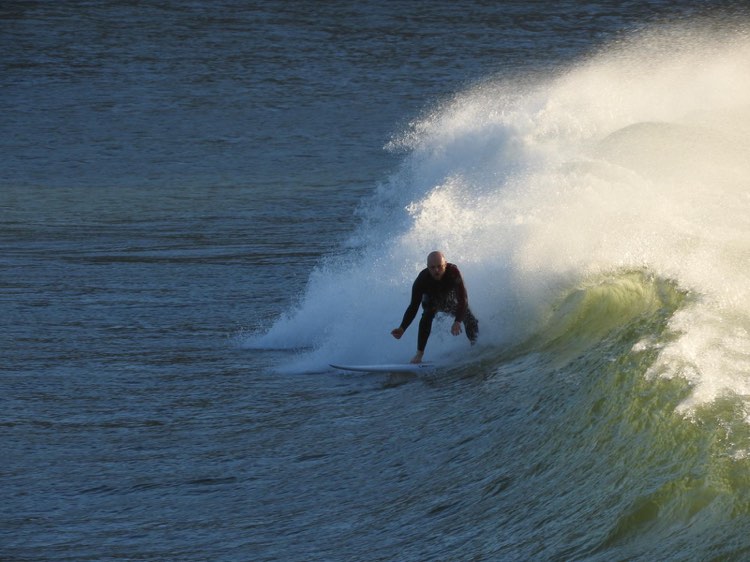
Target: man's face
column 436, row 267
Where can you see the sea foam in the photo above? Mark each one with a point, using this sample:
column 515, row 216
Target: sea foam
column 637, row 158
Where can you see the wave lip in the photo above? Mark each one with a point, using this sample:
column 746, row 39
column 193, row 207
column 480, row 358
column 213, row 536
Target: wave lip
column 631, row 304
column 633, row 160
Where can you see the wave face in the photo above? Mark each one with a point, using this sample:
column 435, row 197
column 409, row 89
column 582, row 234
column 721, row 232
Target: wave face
column 634, row 160
column 601, row 219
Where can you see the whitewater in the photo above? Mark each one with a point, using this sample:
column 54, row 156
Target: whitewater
column 635, row 160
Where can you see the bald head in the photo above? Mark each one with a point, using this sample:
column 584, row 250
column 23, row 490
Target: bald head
column 436, row 264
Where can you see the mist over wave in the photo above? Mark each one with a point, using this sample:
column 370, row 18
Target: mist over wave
column 637, row 159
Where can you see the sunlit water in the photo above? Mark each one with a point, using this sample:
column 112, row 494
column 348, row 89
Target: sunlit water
column 205, row 204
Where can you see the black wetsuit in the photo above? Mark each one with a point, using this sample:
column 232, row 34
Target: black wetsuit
column 447, row 295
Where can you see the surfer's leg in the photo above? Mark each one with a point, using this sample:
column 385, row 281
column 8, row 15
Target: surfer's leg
column 471, row 324
column 425, row 323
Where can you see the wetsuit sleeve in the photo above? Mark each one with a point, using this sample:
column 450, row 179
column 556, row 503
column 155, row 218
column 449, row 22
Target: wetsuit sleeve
column 462, row 298
column 413, row 308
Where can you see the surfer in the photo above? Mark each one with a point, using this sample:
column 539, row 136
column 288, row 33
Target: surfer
column 439, row 288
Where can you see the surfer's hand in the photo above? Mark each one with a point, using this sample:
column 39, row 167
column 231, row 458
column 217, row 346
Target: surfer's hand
column 456, row 328
column 397, row 333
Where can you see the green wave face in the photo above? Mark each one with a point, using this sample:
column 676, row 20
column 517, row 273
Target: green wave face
column 614, row 455
column 628, row 305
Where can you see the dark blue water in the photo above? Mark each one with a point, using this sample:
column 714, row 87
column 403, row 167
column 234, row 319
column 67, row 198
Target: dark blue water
column 192, row 195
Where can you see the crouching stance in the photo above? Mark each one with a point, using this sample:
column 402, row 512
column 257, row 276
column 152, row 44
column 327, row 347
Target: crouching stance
column 438, row 288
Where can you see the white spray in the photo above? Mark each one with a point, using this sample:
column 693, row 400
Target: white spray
column 638, row 158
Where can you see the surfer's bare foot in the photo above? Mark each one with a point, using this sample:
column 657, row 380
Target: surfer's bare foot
column 417, row 358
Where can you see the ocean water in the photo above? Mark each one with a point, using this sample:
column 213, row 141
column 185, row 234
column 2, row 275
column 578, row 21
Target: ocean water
column 203, row 204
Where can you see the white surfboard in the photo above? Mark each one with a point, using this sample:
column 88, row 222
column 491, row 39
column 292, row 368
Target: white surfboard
column 389, row 368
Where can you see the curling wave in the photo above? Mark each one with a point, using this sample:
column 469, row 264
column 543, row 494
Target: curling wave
column 637, row 159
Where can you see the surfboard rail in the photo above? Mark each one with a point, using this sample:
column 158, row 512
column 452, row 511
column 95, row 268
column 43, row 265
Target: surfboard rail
column 388, row 367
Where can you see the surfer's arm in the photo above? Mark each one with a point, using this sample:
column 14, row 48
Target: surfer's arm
column 413, row 308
